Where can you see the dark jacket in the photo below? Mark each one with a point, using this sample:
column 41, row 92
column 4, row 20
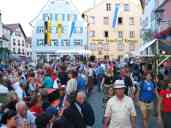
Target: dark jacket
column 73, row 115
column 88, row 114
column 62, row 123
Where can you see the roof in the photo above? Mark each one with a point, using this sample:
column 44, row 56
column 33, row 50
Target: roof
column 13, row 27
column 161, row 5
column 97, row 5
column 142, row 3
column 42, row 9
column 29, row 40
column 4, row 38
column 6, row 27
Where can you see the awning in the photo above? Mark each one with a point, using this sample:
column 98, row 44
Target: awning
column 145, row 46
column 163, row 34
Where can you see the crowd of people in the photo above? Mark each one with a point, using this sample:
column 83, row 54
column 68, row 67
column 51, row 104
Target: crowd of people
column 55, row 95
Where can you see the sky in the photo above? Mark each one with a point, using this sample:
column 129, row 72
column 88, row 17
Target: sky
column 23, row 11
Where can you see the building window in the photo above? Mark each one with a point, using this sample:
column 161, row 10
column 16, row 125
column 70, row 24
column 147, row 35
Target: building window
column 56, row 17
column 19, row 51
column 23, row 43
column 39, row 29
column 92, row 34
column 23, row 51
column 13, row 50
column 120, row 34
column 132, row 34
column 53, row 30
column 106, row 34
column 55, row 42
column 39, row 42
column 18, row 42
column 120, row 20
column 68, row 17
column 63, row 17
column 131, row 46
column 14, row 42
column 92, row 20
column 77, row 42
column 79, row 30
column 126, row 7
column 108, row 6
column 106, row 20
column 45, row 17
column 120, row 46
column 131, row 21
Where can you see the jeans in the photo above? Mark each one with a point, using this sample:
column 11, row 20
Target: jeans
column 166, row 116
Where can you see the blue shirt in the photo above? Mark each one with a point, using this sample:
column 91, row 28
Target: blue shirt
column 48, row 82
column 147, row 91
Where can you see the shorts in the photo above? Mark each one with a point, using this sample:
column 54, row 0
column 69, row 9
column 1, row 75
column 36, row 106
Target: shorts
column 145, row 106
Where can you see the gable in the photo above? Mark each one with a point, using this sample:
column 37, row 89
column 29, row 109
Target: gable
column 59, row 7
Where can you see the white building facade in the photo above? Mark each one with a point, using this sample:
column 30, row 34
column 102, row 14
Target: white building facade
column 66, row 34
column 18, row 41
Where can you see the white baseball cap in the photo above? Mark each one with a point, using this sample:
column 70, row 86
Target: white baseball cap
column 119, row 84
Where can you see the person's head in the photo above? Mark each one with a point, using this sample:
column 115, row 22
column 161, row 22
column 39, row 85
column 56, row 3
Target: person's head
column 72, row 74
column 21, row 108
column 110, row 91
column 81, row 96
column 169, row 85
column 43, row 120
column 119, row 87
column 68, row 101
column 12, row 97
column 9, row 119
column 148, row 77
column 37, row 101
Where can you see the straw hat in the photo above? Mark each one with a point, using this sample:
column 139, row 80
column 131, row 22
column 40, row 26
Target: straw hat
column 119, row 84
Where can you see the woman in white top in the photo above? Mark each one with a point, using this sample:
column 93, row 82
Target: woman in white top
column 72, row 83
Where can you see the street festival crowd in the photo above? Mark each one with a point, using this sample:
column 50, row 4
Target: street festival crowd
column 55, row 95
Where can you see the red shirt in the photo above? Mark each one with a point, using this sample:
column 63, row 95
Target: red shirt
column 36, row 110
column 166, row 101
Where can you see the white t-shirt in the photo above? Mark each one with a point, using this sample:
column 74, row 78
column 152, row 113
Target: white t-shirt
column 71, row 86
column 120, row 112
column 18, row 90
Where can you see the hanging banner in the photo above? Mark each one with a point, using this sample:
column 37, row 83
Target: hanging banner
column 59, row 28
column 116, row 15
column 49, row 34
column 45, row 32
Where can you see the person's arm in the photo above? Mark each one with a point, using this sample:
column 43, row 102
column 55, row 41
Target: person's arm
column 133, row 121
column 107, row 115
column 106, row 122
column 133, row 114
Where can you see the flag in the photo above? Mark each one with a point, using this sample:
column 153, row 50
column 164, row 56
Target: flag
column 73, row 27
column 45, row 32
column 59, row 28
column 116, row 15
column 49, row 38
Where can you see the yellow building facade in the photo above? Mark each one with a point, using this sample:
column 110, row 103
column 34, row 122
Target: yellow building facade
column 114, row 41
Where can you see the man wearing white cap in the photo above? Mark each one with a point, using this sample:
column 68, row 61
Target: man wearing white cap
column 120, row 110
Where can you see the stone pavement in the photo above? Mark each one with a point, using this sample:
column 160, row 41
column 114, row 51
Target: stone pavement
column 96, row 101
